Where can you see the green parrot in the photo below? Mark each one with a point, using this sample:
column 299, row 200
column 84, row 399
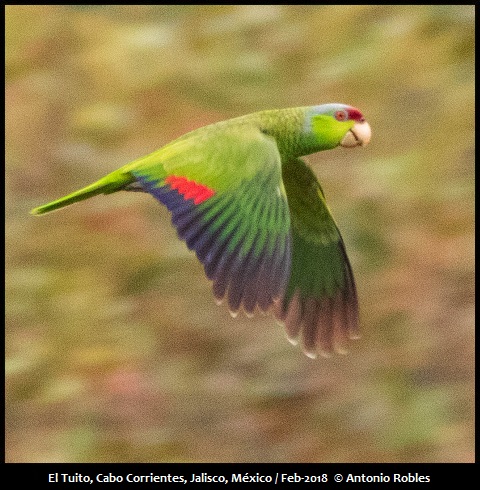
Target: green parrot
column 256, row 216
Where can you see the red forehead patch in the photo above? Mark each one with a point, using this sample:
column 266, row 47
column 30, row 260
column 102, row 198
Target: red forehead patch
column 355, row 114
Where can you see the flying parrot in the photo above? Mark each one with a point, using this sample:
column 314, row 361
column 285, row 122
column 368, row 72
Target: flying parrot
column 255, row 215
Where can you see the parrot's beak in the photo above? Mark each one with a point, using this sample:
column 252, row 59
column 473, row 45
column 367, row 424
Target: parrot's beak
column 359, row 135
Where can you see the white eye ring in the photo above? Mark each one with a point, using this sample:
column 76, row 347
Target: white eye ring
column 341, row 115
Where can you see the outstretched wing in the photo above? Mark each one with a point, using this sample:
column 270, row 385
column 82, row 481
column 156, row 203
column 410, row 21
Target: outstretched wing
column 225, row 192
column 320, row 301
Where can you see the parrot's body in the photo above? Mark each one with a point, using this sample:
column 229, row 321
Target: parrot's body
column 256, row 215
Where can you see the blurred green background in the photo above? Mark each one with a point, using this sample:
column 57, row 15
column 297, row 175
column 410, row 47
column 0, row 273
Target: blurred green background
column 115, row 349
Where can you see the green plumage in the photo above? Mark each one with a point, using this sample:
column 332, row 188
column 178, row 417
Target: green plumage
column 256, row 216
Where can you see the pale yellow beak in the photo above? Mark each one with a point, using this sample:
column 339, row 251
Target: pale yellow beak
column 359, row 135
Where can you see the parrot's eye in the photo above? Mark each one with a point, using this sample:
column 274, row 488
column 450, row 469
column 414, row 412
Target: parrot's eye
column 341, row 116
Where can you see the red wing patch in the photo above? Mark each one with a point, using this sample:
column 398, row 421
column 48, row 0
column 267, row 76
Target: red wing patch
column 189, row 189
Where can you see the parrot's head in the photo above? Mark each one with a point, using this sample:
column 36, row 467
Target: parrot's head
column 337, row 124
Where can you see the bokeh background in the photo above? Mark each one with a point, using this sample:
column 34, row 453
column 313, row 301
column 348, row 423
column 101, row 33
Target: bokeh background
column 115, row 349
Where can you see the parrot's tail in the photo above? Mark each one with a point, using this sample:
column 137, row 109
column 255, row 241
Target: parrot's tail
column 110, row 183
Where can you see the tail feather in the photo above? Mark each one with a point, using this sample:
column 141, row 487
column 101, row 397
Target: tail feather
column 112, row 182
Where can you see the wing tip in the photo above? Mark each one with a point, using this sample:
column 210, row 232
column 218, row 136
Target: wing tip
column 292, row 340
column 324, row 325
